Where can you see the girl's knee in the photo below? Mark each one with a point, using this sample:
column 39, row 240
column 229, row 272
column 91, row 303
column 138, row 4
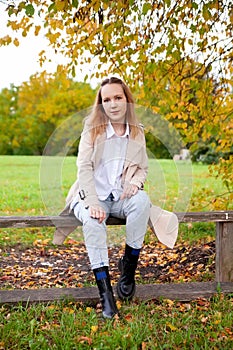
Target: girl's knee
column 94, row 233
column 140, row 202
column 143, row 199
column 94, row 224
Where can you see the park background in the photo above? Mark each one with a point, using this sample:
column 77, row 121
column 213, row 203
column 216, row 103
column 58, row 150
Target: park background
column 177, row 59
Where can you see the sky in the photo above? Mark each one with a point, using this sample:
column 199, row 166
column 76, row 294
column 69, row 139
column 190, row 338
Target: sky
column 17, row 64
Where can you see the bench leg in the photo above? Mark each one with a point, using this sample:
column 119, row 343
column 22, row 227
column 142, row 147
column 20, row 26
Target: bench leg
column 224, row 251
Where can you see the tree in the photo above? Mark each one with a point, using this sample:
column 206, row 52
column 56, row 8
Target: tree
column 8, row 120
column 127, row 33
column 35, row 109
column 192, row 99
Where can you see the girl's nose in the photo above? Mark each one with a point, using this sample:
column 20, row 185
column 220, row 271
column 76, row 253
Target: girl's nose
column 113, row 103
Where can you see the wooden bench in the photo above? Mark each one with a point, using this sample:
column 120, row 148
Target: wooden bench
column 181, row 291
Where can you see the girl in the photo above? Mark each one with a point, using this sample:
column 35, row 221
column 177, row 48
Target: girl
column 112, row 169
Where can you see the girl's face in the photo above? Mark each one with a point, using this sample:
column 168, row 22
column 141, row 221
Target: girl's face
column 114, row 102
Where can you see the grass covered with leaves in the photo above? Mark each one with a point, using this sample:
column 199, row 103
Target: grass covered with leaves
column 161, row 324
column 28, row 260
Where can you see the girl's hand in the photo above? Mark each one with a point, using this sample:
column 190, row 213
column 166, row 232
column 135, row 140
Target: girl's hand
column 97, row 212
column 129, row 191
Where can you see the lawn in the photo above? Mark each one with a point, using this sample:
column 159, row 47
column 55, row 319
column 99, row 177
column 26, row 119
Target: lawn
column 38, row 186
column 28, row 183
column 31, row 187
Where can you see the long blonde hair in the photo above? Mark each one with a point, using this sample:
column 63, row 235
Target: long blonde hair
column 99, row 120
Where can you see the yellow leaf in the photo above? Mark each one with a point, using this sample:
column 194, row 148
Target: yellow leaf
column 6, row 40
column 118, row 304
column 16, row 42
column 88, row 310
column 105, row 36
column 60, row 5
column 68, row 310
column 169, row 301
column 46, row 241
column 183, row 259
column 94, row 329
column 14, row 25
column 171, row 327
column 37, row 30
column 217, row 321
column 51, row 307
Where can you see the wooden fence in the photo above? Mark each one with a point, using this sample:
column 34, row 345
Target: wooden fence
column 181, row 291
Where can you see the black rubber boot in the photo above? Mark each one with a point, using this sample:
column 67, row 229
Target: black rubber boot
column 127, row 265
column 107, row 299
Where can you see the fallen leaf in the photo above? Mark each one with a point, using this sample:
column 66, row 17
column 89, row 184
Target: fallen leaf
column 170, row 326
column 83, row 339
column 204, row 319
column 41, row 266
column 88, row 309
column 94, row 329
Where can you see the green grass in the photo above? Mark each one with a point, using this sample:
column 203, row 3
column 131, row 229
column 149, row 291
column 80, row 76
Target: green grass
column 20, row 184
column 163, row 324
column 31, row 185
column 173, row 186
column 150, row 325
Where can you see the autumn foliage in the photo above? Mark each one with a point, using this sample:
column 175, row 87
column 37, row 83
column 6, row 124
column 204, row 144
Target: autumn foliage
column 30, row 113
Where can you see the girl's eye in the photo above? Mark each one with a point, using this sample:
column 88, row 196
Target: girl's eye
column 117, row 98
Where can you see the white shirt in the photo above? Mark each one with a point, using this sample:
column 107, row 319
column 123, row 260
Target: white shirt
column 107, row 176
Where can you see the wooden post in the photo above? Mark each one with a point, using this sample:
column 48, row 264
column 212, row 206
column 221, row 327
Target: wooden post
column 224, row 251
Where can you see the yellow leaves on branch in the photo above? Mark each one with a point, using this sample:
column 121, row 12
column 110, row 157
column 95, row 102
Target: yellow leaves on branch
column 110, row 27
column 56, row 24
column 53, row 37
column 16, row 42
column 24, row 24
column 6, row 40
column 37, row 30
column 61, row 5
column 42, row 57
column 224, row 170
column 14, row 25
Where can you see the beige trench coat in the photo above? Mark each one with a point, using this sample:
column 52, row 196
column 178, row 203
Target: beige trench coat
column 163, row 223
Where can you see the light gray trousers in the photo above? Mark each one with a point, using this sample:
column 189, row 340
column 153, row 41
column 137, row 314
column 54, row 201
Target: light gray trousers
column 136, row 212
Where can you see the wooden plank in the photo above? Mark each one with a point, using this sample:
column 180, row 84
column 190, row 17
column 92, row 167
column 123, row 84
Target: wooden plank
column 48, row 295
column 47, row 221
column 178, row 291
column 182, row 291
column 224, row 252
column 212, row 216
column 68, row 221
